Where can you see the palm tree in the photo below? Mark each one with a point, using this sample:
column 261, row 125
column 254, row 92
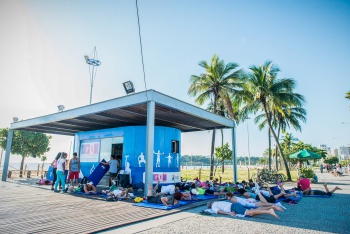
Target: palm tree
column 218, row 82
column 347, row 95
column 264, row 92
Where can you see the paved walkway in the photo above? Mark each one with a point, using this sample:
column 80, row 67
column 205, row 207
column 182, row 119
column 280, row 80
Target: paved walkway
column 311, row 215
column 25, row 208
column 29, row 209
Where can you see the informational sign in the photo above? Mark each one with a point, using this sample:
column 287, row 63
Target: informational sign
column 165, row 177
column 89, row 151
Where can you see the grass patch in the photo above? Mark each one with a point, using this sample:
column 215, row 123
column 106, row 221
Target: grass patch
column 227, row 175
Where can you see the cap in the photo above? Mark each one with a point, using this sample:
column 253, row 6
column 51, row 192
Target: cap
column 90, row 183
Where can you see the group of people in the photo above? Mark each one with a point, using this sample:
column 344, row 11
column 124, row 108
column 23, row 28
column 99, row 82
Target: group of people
column 257, row 201
column 59, row 171
column 336, row 169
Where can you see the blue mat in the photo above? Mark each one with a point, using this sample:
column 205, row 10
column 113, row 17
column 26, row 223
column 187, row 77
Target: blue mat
column 321, row 196
column 87, row 193
column 197, row 198
column 298, row 198
column 156, row 206
column 98, row 173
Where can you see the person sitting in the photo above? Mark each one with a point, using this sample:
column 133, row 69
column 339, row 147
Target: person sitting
column 251, row 203
column 338, row 171
column 322, row 193
column 228, row 208
column 304, row 184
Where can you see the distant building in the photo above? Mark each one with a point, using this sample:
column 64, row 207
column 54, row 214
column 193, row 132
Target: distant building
column 326, row 148
column 344, row 152
column 335, row 152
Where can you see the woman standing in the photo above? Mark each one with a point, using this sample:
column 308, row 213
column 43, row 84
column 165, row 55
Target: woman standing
column 54, row 166
column 61, row 172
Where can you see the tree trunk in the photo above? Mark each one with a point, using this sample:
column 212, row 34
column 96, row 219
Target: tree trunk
column 213, row 141
column 21, row 168
column 278, row 137
column 223, row 166
column 269, row 160
column 222, row 137
column 289, row 178
column 212, row 155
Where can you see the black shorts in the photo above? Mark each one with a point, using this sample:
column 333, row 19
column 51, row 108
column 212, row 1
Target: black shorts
column 270, row 199
column 113, row 175
column 154, row 199
column 322, row 193
column 209, row 191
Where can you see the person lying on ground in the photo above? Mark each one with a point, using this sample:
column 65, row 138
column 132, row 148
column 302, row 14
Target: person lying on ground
column 221, row 191
column 89, row 188
column 119, row 193
column 228, row 208
column 251, row 203
column 153, row 197
column 111, row 189
column 257, row 196
column 322, row 193
column 164, row 189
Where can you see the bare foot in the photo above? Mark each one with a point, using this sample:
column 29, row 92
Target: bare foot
column 278, row 208
column 272, row 212
column 336, row 187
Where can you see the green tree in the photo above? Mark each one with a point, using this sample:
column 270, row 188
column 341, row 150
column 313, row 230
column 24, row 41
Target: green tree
column 347, row 95
column 26, row 144
column 331, row 160
column 264, row 92
column 218, row 82
column 223, row 153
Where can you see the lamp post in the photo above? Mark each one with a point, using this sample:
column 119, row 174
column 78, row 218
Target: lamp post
column 93, row 64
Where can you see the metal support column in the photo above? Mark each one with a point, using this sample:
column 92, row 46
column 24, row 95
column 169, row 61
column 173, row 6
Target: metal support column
column 149, row 144
column 234, row 156
column 7, row 154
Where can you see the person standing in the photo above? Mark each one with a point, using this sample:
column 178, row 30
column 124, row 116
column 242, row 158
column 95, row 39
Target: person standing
column 321, row 168
column 54, row 169
column 74, row 168
column 61, row 170
column 113, row 168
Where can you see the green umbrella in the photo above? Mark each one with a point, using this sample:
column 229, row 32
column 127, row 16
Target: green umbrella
column 305, row 154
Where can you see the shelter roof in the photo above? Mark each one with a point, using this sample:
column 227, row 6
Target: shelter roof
column 128, row 110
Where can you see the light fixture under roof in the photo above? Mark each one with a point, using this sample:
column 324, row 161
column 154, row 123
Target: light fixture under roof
column 129, row 87
column 15, row 119
column 60, row 108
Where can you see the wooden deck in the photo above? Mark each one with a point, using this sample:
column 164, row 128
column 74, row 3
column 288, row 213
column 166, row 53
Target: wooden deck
column 29, row 209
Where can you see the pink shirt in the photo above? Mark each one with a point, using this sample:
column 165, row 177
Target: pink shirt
column 304, row 183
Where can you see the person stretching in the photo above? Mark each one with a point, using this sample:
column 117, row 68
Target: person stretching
column 322, row 193
column 228, row 208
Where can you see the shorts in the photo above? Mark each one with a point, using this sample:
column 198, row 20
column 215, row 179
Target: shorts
column 319, row 192
column 209, row 191
column 73, row 174
column 113, row 175
column 154, row 199
column 238, row 208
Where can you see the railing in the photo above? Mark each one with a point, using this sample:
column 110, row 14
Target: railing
column 16, row 173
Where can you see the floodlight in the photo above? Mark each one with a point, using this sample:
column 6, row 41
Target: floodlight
column 60, row 108
column 129, row 87
column 15, row 119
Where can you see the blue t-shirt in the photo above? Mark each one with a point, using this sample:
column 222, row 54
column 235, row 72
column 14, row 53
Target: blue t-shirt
column 113, row 166
column 74, row 165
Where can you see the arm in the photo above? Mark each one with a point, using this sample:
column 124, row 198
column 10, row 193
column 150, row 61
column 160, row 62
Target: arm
column 79, row 165
column 64, row 167
column 70, row 165
column 226, row 213
column 105, row 163
column 164, row 201
column 85, row 189
column 53, row 163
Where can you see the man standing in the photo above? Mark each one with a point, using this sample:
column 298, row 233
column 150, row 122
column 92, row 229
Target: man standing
column 74, row 168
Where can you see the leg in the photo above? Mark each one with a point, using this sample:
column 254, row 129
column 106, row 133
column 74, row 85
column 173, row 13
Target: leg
column 262, row 198
column 279, row 195
column 150, row 192
column 267, row 206
column 260, row 211
column 307, row 191
column 333, row 190
column 57, row 181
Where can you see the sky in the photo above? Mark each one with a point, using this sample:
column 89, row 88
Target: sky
column 43, row 44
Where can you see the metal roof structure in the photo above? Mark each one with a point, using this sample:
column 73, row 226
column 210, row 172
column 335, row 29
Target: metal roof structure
column 148, row 108
column 129, row 110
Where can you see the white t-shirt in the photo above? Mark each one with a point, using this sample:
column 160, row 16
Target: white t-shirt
column 246, row 202
column 221, row 205
column 60, row 164
column 168, row 189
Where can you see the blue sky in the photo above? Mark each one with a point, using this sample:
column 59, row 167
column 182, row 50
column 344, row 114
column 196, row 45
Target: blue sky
column 43, row 44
